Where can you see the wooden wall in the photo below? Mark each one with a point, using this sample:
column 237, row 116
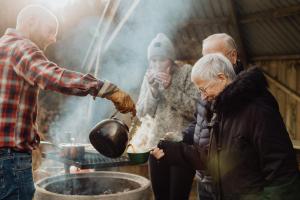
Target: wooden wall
column 284, row 81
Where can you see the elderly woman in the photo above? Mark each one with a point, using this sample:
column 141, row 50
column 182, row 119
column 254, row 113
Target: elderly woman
column 168, row 99
column 250, row 154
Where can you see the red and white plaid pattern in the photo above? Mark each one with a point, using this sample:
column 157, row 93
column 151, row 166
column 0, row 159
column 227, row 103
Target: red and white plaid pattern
column 24, row 69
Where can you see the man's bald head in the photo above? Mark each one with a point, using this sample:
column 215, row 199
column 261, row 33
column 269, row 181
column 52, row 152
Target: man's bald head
column 38, row 24
column 220, row 43
column 34, row 12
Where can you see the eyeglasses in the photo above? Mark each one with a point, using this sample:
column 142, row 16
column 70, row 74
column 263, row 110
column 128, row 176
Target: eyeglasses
column 203, row 90
column 227, row 54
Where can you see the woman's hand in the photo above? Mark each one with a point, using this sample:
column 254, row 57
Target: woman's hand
column 164, row 79
column 150, row 74
column 157, row 153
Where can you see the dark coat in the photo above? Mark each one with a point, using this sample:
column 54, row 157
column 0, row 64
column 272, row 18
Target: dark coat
column 251, row 149
column 255, row 150
column 198, row 131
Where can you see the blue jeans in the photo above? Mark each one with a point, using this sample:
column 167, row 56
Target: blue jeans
column 16, row 182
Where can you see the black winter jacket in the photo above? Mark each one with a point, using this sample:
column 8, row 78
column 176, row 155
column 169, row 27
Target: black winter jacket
column 251, row 148
column 255, row 152
column 198, row 131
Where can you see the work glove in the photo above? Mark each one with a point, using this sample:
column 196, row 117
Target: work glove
column 120, row 99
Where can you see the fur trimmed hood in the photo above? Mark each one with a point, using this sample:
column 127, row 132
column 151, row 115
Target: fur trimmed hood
column 248, row 86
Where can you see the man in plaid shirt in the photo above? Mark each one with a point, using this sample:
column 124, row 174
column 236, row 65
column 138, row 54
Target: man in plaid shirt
column 24, row 70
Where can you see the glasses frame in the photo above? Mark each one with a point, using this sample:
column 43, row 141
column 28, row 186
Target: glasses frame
column 203, row 90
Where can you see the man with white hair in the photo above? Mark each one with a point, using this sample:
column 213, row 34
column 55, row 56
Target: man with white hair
column 197, row 132
column 250, row 155
column 24, row 70
column 224, row 44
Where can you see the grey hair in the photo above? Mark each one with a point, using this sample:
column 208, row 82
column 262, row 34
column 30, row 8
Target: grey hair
column 36, row 11
column 209, row 66
column 228, row 40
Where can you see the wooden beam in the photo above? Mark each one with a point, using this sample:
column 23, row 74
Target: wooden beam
column 236, row 27
column 282, row 87
column 270, row 14
column 276, row 57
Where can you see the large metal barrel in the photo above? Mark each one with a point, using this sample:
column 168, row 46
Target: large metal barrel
column 98, row 185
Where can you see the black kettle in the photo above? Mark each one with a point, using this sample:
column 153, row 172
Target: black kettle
column 110, row 137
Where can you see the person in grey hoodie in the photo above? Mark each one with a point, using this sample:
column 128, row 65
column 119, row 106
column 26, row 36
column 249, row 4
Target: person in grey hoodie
column 168, row 98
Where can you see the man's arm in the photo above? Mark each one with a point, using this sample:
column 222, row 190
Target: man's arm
column 32, row 65
column 188, row 132
column 181, row 154
column 36, row 69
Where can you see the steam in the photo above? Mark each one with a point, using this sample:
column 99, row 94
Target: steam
column 124, row 63
column 142, row 139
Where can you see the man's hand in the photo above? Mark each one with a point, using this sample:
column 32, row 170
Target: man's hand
column 120, row 99
column 157, row 153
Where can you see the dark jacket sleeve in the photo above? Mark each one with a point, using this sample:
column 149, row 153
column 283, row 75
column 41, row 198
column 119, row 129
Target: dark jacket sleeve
column 188, row 132
column 181, row 154
column 275, row 150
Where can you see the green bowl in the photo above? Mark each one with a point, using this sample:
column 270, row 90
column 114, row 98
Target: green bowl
column 138, row 158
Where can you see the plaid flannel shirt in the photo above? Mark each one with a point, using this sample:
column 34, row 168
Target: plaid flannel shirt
column 24, row 69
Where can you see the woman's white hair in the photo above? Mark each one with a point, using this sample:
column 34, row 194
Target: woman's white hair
column 209, row 66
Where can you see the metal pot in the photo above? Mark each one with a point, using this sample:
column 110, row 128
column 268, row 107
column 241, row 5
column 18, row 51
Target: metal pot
column 110, row 137
column 73, row 151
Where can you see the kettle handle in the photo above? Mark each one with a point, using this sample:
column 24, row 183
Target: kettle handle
column 114, row 114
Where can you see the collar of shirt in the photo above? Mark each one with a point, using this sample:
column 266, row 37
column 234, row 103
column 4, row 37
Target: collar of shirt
column 14, row 32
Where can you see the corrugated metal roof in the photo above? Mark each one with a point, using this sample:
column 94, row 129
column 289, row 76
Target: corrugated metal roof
column 272, row 37
column 245, row 7
column 190, row 21
column 276, row 34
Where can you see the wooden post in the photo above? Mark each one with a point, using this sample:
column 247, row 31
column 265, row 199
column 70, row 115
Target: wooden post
column 236, row 26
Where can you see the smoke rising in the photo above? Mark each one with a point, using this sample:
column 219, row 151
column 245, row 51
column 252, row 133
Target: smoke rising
column 124, row 63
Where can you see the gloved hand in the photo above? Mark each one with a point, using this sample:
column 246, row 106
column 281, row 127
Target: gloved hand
column 173, row 136
column 168, row 150
column 121, row 99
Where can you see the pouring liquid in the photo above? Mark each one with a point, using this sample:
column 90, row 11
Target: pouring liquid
column 132, row 147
